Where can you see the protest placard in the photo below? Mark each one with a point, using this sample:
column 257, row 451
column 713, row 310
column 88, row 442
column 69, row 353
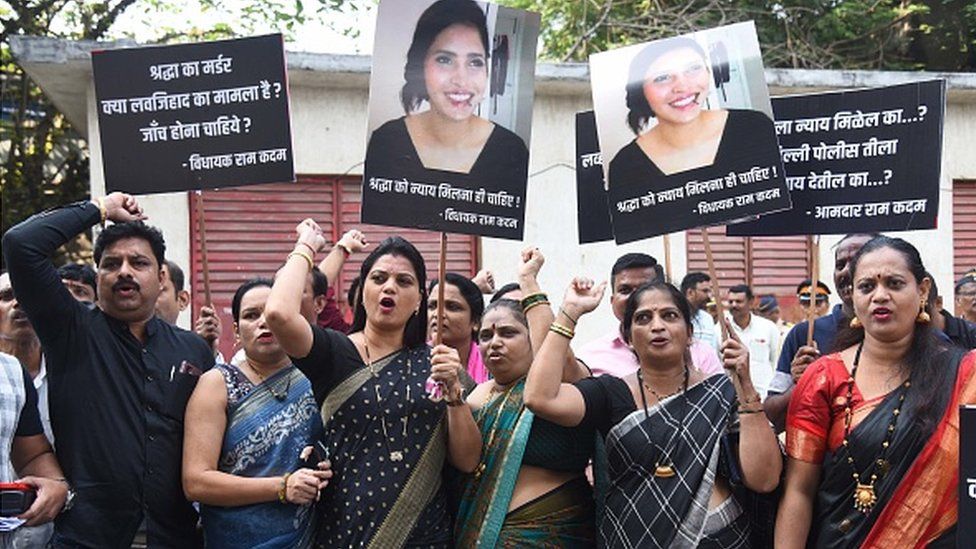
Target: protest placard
column 686, row 128
column 858, row 161
column 194, row 116
column 450, row 112
column 967, row 473
column 592, row 211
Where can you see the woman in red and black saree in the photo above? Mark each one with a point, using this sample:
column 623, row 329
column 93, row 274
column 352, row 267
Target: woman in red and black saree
column 872, row 430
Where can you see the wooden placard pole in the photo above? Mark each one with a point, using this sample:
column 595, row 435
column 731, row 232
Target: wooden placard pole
column 441, row 271
column 814, row 246
column 727, row 332
column 205, row 264
column 719, row 309
column 667, row 257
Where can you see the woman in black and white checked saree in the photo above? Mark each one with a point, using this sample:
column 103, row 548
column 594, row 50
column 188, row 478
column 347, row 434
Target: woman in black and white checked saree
column 672, row 435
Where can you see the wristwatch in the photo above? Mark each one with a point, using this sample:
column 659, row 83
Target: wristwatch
column 70, row 499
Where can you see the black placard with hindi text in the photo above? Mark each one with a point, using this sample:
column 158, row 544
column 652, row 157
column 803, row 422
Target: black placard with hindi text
column 858, row 161
column 194, row 116
column 592, row 211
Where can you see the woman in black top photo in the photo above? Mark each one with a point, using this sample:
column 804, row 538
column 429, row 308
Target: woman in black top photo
column 669, row 81
column 441, row 137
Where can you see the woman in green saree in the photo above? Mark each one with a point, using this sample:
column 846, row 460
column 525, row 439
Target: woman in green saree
column 530, row 488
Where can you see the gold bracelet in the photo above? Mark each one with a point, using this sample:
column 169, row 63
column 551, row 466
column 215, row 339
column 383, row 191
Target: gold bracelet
column 526, row 308
column 304, row 256
column 100, row 202
column 283, row 489
column 562, row 330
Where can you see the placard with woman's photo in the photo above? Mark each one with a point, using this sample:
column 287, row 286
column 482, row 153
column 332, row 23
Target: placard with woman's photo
column 686, row 130
column 450, row 116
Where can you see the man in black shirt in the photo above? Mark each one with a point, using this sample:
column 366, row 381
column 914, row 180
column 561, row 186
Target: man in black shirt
column 120, row 377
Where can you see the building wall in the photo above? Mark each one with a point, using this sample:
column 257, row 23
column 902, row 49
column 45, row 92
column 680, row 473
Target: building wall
column 329, row 132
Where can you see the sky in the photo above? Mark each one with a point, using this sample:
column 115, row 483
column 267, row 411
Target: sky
column 317, row 37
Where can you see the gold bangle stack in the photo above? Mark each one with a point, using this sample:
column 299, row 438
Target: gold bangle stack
column 304, row 255
column 534, row 300
column 283, row 489
column 564, row 331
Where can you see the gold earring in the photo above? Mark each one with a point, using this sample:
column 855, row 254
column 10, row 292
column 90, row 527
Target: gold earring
column 855, row 323
column 923, row 317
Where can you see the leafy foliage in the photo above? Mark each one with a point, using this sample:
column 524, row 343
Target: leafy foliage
column 814, row 34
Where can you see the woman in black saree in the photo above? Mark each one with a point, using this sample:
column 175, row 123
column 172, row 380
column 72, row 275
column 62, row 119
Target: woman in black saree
column 675, row 440
column 385, row 439
column 872, row 429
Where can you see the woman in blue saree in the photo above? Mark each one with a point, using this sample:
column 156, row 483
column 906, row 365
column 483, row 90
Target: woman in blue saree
column 245, row 428
column 386, row 440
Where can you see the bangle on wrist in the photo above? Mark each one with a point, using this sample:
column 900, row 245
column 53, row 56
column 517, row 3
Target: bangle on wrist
column 283, row 488
column 344, row 248
column 750, row 411
column 311, row 250
column 303, row 255
column 564, row 331
column 533, row 300
column 100, row 202
column 567, row 315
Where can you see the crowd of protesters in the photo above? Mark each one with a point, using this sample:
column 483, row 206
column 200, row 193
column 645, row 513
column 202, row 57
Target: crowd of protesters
column 482, row 424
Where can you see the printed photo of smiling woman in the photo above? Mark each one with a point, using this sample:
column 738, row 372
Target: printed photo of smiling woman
column 688, row 102
column 449, row 116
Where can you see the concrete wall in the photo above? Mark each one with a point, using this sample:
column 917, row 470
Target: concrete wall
column 329, row 133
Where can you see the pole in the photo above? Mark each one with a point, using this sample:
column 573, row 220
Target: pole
column 202, row 232
column 814, row 242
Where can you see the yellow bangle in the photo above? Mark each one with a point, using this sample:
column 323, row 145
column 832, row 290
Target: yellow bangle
column 525, row 310
column 100, row 202
column 283, row 489
column 311, row 250
column 562, row 330
column 304, row 256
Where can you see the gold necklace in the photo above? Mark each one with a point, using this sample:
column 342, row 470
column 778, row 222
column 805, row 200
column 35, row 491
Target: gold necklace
column 864, row 495
column 664, row 466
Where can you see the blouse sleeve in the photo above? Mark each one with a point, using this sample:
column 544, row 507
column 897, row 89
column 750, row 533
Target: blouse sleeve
column 808, row 417
column 605, row 400
column 331, row 358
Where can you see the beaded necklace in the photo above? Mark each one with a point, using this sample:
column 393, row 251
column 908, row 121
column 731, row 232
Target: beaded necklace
column 864, row 495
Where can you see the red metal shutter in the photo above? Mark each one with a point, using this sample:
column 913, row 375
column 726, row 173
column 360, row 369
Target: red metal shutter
column 462, row 250
column 730, row 254
column 963, row 229
column 770, row 265
column 251, row 229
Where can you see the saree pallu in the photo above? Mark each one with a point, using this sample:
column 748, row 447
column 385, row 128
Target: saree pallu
column 562, row 517
column 642, row 510
column 917, row 499
column 387, row 458
column 265, row 435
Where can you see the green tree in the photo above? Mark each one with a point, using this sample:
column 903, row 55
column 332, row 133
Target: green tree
column 816, row 34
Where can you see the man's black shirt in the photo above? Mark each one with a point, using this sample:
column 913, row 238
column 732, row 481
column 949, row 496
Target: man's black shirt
column 960, row 331
column 116, row 405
